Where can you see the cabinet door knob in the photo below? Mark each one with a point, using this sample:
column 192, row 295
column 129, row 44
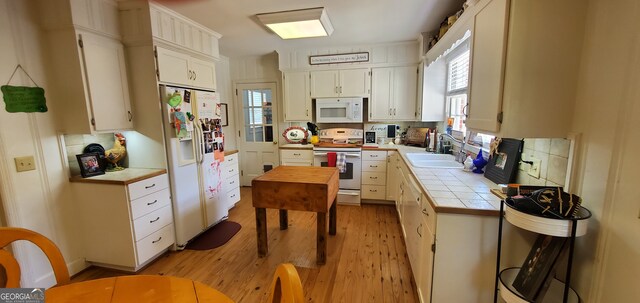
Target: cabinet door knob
column 195, row 75
column 150, row 186
column 130, row 116
column 151, row 203
column 424, row 211
column 156, row 220
column 156, row 241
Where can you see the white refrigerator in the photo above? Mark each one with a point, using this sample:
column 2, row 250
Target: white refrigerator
column 195, row 150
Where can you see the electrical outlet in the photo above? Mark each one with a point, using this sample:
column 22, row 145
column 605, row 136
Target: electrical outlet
column 534, row 170
column 25, row 163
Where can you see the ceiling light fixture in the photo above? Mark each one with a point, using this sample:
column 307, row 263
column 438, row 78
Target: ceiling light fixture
column 303, row 23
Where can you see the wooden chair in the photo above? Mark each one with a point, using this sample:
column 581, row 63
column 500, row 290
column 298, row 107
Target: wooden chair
column 286, row 286
column 12, row 268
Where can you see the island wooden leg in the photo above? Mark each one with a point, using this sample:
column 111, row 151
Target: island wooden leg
column 333, row 218
column 284, row 219
column 261, row 228
column 321, row 254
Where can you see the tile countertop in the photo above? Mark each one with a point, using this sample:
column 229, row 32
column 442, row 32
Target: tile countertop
column 454, row 190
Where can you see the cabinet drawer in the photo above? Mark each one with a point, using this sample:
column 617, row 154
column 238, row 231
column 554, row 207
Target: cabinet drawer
column 232, row 196
column 297, row 154
column 230, row 170
column 152, row 222
column 230, row 183
column 287, row 162
column 149, row 203
column 428, row 213
column 154, row 243
column 374, row 166
column 374, row 155
column 373, row 178
column 147, row 186
column 376, row 192
column 231, row 160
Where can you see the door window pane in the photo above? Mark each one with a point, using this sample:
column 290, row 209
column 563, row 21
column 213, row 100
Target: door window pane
column 258, row 130
column 258, row 115
column 268, row 133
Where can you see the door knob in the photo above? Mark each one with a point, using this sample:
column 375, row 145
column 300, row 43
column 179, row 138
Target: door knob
column 275, row 142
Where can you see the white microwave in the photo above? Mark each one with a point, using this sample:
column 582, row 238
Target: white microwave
column 339, row 110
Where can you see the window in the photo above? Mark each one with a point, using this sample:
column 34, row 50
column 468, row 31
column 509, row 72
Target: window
column 457, row 86
column 257, row 115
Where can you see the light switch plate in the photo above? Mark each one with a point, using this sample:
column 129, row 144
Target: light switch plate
column 25, row 163
column 534, row 170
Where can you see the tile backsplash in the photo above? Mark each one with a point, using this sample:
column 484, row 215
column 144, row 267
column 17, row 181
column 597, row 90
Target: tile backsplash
column 75, row 144
column 554, row 159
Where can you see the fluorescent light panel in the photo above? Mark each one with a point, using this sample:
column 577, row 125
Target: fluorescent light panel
column 304, row 23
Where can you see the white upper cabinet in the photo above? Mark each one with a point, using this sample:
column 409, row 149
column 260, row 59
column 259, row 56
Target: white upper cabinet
column 106, row 80
column 340, row 83
column 88, row 66
column 524, row 67
column 487, row 57
column 355, row 82
column 297, row 100
column 325, row 83
column 432, row 91
column 183, row 69
column 393, row 93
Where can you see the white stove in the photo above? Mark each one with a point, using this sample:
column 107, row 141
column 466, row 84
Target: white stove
column 341, row 135
column 350, row 180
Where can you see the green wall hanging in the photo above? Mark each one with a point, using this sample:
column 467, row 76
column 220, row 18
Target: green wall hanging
column 23, row 98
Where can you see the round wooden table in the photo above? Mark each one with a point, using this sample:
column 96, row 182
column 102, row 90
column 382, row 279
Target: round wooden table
column 140, row 288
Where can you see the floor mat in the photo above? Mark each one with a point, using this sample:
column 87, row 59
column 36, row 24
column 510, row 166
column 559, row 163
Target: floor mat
column 215, row 236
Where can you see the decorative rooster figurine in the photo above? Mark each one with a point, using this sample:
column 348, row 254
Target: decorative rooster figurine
column 117, row 153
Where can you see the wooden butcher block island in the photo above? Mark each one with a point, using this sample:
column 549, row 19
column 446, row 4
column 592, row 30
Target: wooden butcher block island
column 297, row 188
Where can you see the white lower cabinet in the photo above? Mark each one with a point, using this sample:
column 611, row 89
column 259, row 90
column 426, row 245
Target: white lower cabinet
column 125, row 226
column 452, row 256
column 230, row 180
column 374, row 175
column 302, row 157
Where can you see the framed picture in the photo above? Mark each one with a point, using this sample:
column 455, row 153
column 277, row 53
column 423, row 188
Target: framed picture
column 224, row 115
column 90, row 164
column 503, row 165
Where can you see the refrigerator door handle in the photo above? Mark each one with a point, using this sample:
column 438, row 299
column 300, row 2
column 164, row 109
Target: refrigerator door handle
column 197, row 141
column 202, row 143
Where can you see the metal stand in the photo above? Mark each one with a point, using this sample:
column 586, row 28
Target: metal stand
column 572, row 239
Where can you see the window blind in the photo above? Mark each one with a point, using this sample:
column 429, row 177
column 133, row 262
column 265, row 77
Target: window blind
column 459, row 72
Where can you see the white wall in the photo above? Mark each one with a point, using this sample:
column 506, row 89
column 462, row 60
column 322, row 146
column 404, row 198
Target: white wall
column 225, row 89
column 39, row 200
column 608, row 261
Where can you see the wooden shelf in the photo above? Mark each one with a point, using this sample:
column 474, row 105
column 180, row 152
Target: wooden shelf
column 547, row 226
column 553, row 294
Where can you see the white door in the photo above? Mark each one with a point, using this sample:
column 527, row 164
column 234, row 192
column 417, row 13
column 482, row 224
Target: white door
column 259, row 129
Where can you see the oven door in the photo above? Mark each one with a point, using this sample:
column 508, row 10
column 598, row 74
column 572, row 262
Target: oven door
column 350, row 179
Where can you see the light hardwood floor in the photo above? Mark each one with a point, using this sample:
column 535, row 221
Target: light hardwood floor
column 366, row 260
